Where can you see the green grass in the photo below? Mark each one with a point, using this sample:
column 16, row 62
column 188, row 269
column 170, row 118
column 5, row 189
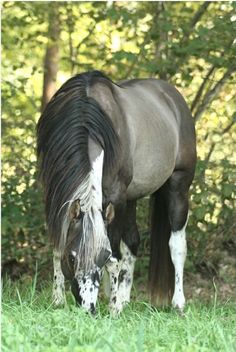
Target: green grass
column 31, row 323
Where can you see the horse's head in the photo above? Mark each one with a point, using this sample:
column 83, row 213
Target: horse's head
column 85, row 255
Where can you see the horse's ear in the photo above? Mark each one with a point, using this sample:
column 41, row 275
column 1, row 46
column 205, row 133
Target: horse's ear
column 110, row 213
column 75, row 210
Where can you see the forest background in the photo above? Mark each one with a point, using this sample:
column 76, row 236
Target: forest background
column 190, row 44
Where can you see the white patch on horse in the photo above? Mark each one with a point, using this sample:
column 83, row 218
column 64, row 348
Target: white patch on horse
column 178, row 250
column 96, row 180
column 121, row 279
column 88, row 288
column 58, row 280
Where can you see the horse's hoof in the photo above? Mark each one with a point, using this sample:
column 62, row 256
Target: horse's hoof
column 115, row 311
column 179, row 311
column 58, row 302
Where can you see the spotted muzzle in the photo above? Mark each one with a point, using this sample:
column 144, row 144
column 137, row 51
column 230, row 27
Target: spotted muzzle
column 85, row 288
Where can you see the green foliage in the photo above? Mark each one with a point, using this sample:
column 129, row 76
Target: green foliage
column 181, row 42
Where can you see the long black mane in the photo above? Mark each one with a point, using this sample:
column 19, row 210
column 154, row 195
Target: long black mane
column 63, row 130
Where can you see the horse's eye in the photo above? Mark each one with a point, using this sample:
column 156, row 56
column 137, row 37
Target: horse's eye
column 72, row 257
column 79, row 217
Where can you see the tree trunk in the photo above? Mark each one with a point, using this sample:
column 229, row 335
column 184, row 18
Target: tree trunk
column 52, row 55
column 161, row 53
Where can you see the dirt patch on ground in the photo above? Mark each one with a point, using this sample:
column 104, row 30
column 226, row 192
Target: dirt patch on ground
column 208, row 284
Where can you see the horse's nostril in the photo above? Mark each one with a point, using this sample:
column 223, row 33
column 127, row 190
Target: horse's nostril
column 92, row 308
column 76, row 291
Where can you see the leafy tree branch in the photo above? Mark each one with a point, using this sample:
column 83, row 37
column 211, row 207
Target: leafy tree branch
column 212, row 93
column 202, row 87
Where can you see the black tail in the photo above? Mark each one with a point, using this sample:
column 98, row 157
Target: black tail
column 161, row 269
column 63, row 130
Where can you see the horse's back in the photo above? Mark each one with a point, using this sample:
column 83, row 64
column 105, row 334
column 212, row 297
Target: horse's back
column 160, row 125
column 155, row 128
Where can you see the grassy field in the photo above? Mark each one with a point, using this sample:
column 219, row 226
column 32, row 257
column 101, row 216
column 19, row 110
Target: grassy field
column 31, row 323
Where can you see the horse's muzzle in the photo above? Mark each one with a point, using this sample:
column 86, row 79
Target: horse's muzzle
column 85, row 289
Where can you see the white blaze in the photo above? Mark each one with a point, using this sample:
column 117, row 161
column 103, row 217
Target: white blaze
column 96, row 181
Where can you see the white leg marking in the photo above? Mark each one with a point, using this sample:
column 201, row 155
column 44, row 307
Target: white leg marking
column 121, row 279
column 126, row 274
column 113, row 268
column 58, row 280
column 178, row 250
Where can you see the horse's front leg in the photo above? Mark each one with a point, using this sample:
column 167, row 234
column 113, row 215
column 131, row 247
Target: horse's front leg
column 58, row 280
column 121, row 271
column 120, row 279
column 125, row 279
column 113, row 268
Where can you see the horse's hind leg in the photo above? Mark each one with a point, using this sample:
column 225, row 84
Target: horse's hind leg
column 178, row 186
column 58, row 280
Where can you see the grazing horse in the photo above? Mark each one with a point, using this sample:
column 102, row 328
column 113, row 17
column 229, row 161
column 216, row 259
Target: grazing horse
column 102, row 146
